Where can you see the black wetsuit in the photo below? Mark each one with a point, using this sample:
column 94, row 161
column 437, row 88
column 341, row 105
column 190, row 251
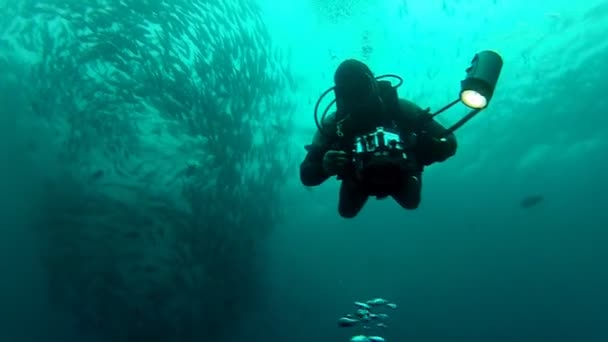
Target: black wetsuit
column 399, row 114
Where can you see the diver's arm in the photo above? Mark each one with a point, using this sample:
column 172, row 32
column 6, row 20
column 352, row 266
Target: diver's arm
column 311, row 169
column 441, row 144
column 444, row 146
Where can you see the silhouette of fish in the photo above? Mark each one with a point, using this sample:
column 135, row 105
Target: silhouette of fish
column 531, row 201
column 97, row 175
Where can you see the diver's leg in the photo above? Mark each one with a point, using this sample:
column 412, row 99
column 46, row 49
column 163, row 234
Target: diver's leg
column 352, row 199
column 409, row 192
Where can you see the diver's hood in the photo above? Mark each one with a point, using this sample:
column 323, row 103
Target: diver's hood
column 354, row 86
column 341, row 97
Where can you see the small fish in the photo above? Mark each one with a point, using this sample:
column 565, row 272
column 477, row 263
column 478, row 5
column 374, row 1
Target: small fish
column 377, row 302
column 279, row 128
column 375, row 338
column 392, row 305
column 97, row 175
column 359, row 338
column 382, row 325
column 362, row 313
column 362, row 305
column 531, row 201
column 347, row 322
column 191, row 168
column 383, row 316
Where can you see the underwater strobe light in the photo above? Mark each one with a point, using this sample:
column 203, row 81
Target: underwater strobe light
column 478, row 87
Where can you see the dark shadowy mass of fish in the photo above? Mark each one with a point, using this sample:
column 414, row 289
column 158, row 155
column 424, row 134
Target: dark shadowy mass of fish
column 157, row 123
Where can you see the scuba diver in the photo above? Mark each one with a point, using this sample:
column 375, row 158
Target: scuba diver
column 376, row 143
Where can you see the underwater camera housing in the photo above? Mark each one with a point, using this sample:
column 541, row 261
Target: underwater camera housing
column 381, row 146
column 379, row 141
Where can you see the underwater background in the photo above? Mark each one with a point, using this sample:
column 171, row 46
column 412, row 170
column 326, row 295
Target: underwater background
column 149, row 188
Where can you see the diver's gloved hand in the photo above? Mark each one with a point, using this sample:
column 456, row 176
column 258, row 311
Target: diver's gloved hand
column 334, row 162
column 429, row 148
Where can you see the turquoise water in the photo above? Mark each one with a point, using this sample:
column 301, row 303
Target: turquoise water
column 150, row 189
